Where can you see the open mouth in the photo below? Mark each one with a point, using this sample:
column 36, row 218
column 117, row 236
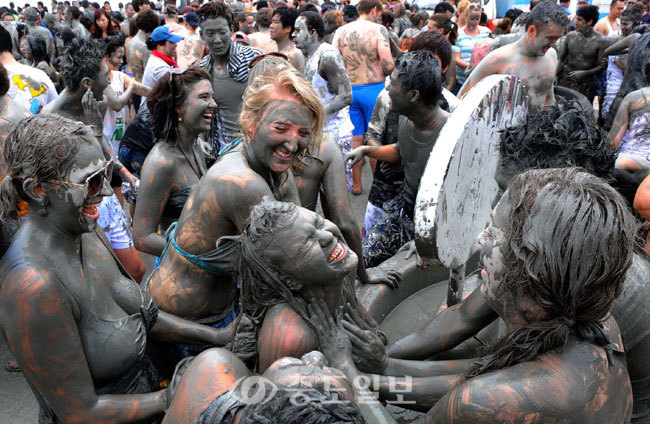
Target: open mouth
column 90, row 210
column 207, row 116
column 283, row 154
column 338, row 253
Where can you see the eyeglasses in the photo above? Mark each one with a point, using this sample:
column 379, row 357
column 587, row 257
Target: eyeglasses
column 93, row 184
column 259, row 58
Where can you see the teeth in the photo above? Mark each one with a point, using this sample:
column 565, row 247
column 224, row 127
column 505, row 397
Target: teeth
column 282, row 153
column 337, row 253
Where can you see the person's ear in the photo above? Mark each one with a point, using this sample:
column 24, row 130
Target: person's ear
column 87, row 83
column 532, row 32
column 414, row 96
column 36, row 195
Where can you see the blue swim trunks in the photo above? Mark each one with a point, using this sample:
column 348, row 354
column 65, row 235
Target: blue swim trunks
column 363, row 102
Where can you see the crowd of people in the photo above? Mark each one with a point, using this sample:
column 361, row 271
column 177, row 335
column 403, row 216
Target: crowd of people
column 225, row 140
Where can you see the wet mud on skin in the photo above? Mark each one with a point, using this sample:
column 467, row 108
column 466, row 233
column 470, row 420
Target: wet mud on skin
column 18, row 405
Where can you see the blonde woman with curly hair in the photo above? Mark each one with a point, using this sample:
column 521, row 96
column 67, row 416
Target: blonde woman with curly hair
column 281, row 119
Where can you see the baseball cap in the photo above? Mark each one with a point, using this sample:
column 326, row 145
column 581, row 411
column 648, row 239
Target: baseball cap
column 192, row 19
column 162, row 34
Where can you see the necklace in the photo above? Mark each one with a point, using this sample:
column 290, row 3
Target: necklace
column 198, row 172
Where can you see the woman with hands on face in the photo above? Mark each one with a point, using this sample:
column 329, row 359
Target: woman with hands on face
column 76, row 323
column 556, row 362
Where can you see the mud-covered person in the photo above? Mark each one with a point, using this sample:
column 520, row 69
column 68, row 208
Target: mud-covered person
column 181, row 108
column 227, row 63
column 414, row 91
column 557, row 361
column 86, row 76
column 282, row 26
column 137, row 53
column 579, row 54
column 531, row 59
column 365, row 46
column 76, row 323
column 281, row 118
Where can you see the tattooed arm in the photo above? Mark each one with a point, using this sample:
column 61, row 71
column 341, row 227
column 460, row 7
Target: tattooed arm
column 332, row 69
column 621, row 122
column 44, row 338
column 383, row 49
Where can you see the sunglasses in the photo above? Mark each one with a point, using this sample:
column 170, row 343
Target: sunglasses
column 259, row 58
column 94, row 183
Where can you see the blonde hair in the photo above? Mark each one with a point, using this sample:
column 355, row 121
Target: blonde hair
column 462, row 6
column 281, row 78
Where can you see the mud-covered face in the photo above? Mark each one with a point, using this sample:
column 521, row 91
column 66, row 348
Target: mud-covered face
column 473, row 18
column 491, row 242
column 284, row 130
column 545, row 37
column 199, row 106
column 248, row 26
column 278, row 32
column 301, row 36
column 626, row 26
column 216, row 34
column 309, row 372
column 101, row 82
column 312, row 251
column 581, row 25
column 398, row 96
column 72, row 206
column 25, row 50
column 116, row 59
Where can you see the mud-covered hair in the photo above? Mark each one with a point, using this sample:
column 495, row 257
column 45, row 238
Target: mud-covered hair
column 287, row 407
column 167, row 97
column 634, row 14
column 558, row 136
column 38, row 47
column 421, row 71
column 213, row 10
column 38, row 149
column 260, row 281
column 81, row 59
column 547, row 11
column 568, row 245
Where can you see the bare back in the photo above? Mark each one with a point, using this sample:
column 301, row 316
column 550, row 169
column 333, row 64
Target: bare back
column 365, row 48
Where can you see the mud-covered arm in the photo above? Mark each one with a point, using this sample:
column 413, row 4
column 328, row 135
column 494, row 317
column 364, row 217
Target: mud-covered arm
column 389, row 153
column 43, row 335
column 415, row 393
column 562, row 49
column 383, row 49
column 155, row 189
column 332, row 68
column 289, row 190
column 642, row 199
column 172, row 329
column 622, row 45
column 377, row 124
column 447, row 330
column 116, row 102
column 486, row 67
column 620, row 124
column 599, row 67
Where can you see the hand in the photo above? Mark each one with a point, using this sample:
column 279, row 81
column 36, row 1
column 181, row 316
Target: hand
column 129, row 178
column 332, row 338
column 368, row 351
column 129, row 84
column 577, row 75
column 91, row 114
column 390, row 277
column 354, row 156
column 410, row 249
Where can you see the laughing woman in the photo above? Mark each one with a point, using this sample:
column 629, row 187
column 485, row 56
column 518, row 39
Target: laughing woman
column 74, row 320
column 181, row 107
column 281, row 117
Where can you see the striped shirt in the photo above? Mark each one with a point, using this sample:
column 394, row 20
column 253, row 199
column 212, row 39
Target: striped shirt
column 239, row 58
column 464, row 45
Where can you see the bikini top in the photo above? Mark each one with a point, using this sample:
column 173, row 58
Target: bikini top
column 113, row 346
column 176, row 202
